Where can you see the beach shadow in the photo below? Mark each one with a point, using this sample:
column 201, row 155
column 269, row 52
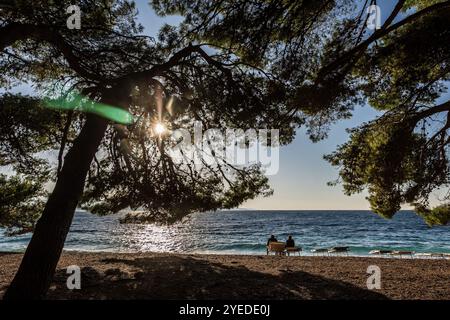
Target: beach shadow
column 176, row 277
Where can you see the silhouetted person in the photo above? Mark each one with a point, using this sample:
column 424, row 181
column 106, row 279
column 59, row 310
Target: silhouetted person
column 290, row 242
column 271, row 239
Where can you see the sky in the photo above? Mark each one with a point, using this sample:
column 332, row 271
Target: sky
column 301, row 182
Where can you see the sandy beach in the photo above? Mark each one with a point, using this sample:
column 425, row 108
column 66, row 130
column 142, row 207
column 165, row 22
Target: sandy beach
column 180, row 276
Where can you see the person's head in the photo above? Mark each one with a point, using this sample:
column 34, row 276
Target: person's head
column 272, row 237
column 290, row 237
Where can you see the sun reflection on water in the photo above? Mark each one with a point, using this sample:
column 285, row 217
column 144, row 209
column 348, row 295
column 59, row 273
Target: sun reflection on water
column 157, row 238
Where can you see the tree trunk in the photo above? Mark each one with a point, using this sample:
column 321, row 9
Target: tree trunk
column 38, row 265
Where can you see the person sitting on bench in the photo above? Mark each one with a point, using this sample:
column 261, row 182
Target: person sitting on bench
column 271, row 239
column 290, row 243
column 290, row 246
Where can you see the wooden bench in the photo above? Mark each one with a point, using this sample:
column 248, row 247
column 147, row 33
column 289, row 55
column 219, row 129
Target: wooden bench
column 276, row 247
column 290, row 250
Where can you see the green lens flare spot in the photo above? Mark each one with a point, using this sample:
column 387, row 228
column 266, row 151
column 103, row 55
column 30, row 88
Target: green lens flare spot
column 77, row 102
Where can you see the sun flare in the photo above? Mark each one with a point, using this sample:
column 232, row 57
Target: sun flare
column 159, row 128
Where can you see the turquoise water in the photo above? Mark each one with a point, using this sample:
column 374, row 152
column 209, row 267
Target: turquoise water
column 246, row 232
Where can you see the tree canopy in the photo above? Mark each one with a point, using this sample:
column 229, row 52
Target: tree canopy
column 238, row 64
column 402, row 157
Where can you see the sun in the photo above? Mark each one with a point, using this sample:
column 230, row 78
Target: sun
column 159, row 128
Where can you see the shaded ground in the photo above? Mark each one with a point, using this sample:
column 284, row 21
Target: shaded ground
column 173, row 276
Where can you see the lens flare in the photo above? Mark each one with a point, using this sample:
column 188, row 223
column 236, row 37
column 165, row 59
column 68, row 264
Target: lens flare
column 77, row 102
column 159, row 128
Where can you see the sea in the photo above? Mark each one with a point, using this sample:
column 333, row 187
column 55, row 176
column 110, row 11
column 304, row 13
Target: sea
column 247, row 231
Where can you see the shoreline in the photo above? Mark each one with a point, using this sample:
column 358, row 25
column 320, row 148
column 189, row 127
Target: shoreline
column 150, row 275
column 259, row 254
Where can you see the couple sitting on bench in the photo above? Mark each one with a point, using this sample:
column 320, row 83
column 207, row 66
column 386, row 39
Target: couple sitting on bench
column 281, row 248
